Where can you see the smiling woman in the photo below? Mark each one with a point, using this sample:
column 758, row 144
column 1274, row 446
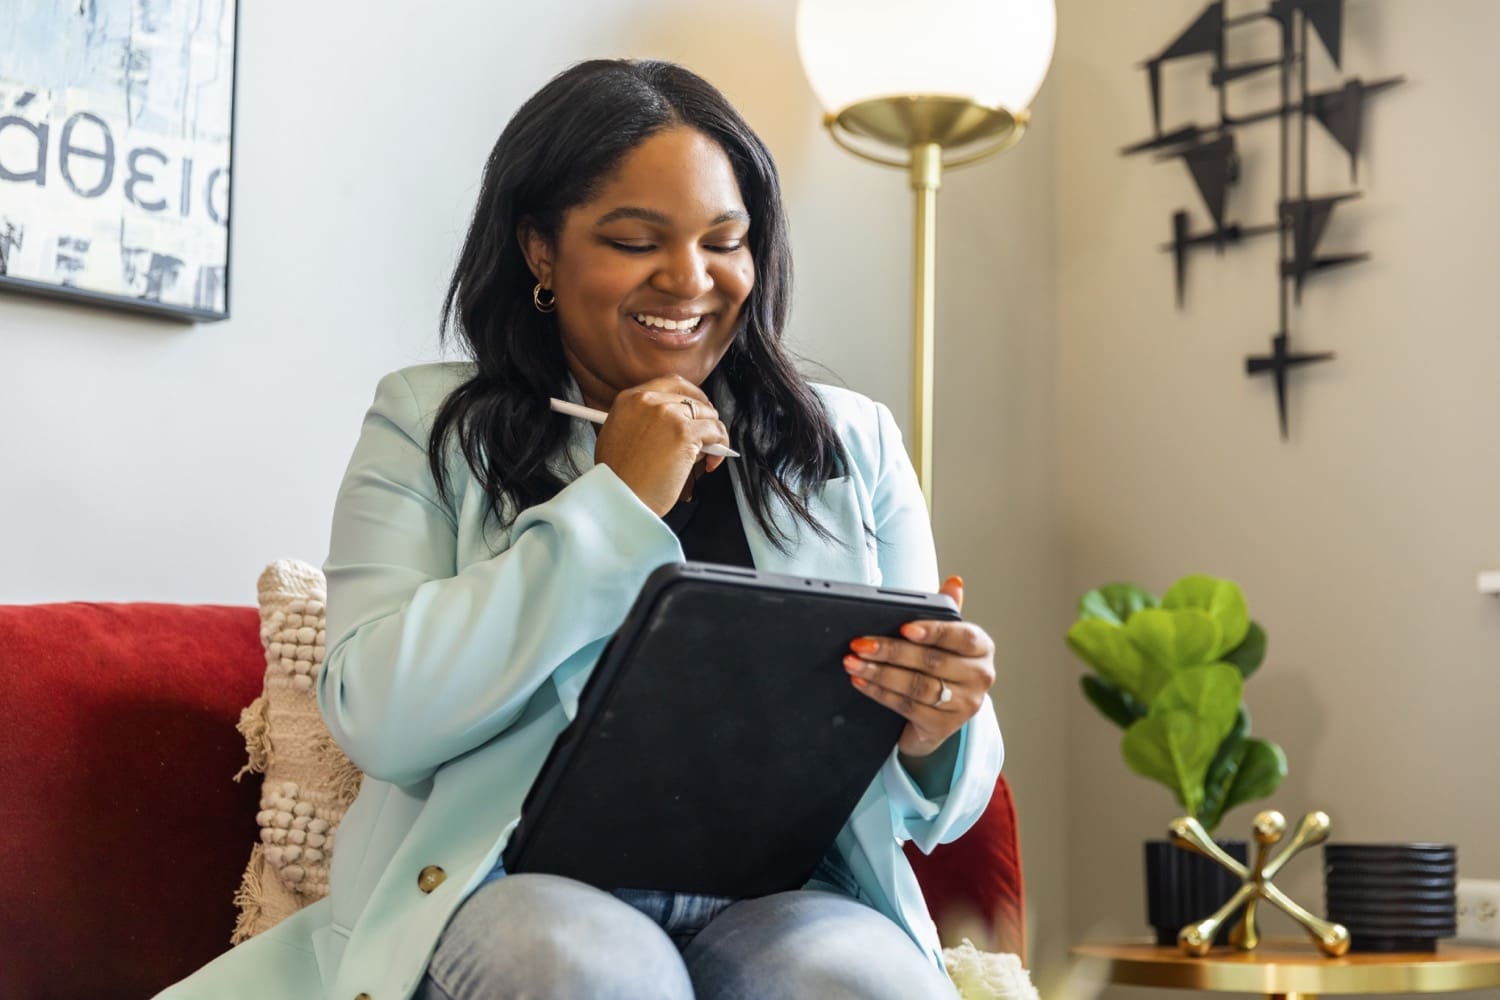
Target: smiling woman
column 650, row 274
column 622, row 201
column 629, row 253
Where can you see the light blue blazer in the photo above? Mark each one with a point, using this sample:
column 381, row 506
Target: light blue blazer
column 457, row 652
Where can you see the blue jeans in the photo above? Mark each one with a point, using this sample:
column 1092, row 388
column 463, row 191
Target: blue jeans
column 537, row 937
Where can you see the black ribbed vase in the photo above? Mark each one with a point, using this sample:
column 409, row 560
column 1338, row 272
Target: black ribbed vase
column 1392, row 897
column 1183, row 887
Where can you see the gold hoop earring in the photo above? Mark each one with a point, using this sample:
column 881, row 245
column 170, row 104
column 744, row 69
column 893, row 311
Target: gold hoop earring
column 549, row 304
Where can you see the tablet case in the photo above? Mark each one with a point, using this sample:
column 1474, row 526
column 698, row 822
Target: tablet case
column 719, row 746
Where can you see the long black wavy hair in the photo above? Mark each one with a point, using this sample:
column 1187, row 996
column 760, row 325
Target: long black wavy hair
column 554, row 154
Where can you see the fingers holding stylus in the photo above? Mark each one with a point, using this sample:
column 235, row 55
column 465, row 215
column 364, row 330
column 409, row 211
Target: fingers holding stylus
column 654, row 437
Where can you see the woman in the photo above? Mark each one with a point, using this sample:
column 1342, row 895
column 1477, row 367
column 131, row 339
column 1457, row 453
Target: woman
column 628, row 252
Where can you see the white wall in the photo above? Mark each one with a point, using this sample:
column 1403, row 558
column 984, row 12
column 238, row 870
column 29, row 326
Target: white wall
column 149, row 461
column 1357, row 541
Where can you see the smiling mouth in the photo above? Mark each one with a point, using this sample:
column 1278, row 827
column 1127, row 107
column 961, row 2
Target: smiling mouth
column 669, row 325
column 672, row 332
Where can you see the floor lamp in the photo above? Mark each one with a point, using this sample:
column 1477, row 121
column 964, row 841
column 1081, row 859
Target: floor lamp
column 925, row 85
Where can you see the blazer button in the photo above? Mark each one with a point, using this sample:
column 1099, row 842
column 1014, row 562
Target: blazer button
column 431, row 877
column 363, row 996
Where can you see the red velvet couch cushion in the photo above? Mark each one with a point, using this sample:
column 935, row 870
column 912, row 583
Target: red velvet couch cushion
column 977, row 878
column 124, row 835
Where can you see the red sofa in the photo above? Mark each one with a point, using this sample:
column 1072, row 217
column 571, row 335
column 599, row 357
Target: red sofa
column 125, row 837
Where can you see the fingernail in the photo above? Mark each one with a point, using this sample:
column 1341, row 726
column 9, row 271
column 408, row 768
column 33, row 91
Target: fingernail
column 852, row 663
column 914, row 632
column 958, row 580
column 858, row 682
column 863, row 645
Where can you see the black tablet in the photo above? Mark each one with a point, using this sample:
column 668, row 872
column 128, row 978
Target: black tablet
column 719, row 746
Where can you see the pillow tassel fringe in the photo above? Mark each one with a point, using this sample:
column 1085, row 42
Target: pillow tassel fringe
column 343, row 777
column 255, row 726
column 248, row 898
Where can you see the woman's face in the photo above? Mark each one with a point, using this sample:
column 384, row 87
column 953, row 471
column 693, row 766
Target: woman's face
column 651, row 274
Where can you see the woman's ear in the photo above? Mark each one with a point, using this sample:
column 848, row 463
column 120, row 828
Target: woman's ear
column 537, row 251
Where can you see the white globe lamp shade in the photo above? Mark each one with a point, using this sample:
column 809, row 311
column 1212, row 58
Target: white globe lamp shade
column 992, row 52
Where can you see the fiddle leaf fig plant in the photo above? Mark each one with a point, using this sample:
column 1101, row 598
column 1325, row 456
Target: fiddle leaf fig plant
column 1171, row 673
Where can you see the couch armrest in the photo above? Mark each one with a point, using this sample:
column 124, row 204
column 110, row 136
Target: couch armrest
column 973, row 886
column 125, row 838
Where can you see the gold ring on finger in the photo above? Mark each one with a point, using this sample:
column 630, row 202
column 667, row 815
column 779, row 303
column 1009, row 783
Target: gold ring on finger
column 692, row 410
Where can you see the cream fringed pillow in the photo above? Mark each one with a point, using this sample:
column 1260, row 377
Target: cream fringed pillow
column 308, row 781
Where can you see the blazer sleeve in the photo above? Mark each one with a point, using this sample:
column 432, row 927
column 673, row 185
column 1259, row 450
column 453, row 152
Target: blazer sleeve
column 908, row 560
column 426, row 662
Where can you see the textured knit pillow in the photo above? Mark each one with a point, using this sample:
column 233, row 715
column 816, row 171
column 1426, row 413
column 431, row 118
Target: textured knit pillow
column 308, row 782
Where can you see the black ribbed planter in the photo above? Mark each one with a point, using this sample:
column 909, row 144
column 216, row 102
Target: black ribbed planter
column 1183, row 887
column 1392, row 897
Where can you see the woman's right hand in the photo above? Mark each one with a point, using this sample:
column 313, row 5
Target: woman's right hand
column 654, row 437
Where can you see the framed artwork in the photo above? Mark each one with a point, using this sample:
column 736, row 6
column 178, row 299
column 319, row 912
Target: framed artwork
column 116, row 147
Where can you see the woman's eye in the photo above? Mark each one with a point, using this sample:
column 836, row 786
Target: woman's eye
column 631, row 247
column 726, row 247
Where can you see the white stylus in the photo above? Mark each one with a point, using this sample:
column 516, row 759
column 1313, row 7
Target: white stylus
column 599, row 416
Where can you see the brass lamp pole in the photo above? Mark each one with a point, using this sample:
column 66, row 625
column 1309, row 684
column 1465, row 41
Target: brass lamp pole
column 915, row 132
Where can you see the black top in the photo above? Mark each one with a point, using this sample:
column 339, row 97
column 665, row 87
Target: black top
column 708, row 526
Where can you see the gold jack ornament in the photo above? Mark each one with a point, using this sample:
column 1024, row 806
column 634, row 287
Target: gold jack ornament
column 1196, row 939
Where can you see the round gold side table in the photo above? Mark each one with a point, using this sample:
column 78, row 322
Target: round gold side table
column 1293, row 970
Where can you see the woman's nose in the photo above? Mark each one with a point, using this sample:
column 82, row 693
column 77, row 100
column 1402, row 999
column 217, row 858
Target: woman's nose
column 684, row 275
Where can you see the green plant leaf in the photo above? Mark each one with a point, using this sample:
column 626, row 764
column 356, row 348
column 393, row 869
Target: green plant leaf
column 1260, row 773
column 1250, row 652
column 1211, row 694
column 1173, row 748
column 1202, row 705
column 1168, row 641
column 1115, row 602
column 1216, row 793
column 1104, row 647
column 1220, row 598
column 1114, row 704
column 1221, row 771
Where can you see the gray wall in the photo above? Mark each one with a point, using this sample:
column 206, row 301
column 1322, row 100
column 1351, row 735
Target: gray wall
column 1358, row 541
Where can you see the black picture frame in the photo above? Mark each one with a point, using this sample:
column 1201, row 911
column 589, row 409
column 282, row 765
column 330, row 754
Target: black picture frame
column 117, row 153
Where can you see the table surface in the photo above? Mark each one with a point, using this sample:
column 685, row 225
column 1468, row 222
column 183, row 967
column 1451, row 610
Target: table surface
column 1288, row 966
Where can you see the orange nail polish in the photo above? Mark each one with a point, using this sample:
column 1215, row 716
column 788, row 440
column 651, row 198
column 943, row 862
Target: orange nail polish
column 914, row 632
column 858, row 682
column 863, row 645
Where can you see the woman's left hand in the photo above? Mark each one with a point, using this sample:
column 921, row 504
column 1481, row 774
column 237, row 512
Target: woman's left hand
column 936, row 677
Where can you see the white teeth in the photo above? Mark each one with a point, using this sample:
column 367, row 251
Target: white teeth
column 662, row 323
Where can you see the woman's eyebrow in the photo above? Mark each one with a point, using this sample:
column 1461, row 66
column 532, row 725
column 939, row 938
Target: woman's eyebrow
column 661, row 219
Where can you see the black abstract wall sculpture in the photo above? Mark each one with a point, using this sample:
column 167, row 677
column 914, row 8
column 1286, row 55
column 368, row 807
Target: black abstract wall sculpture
column 1212, row 157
